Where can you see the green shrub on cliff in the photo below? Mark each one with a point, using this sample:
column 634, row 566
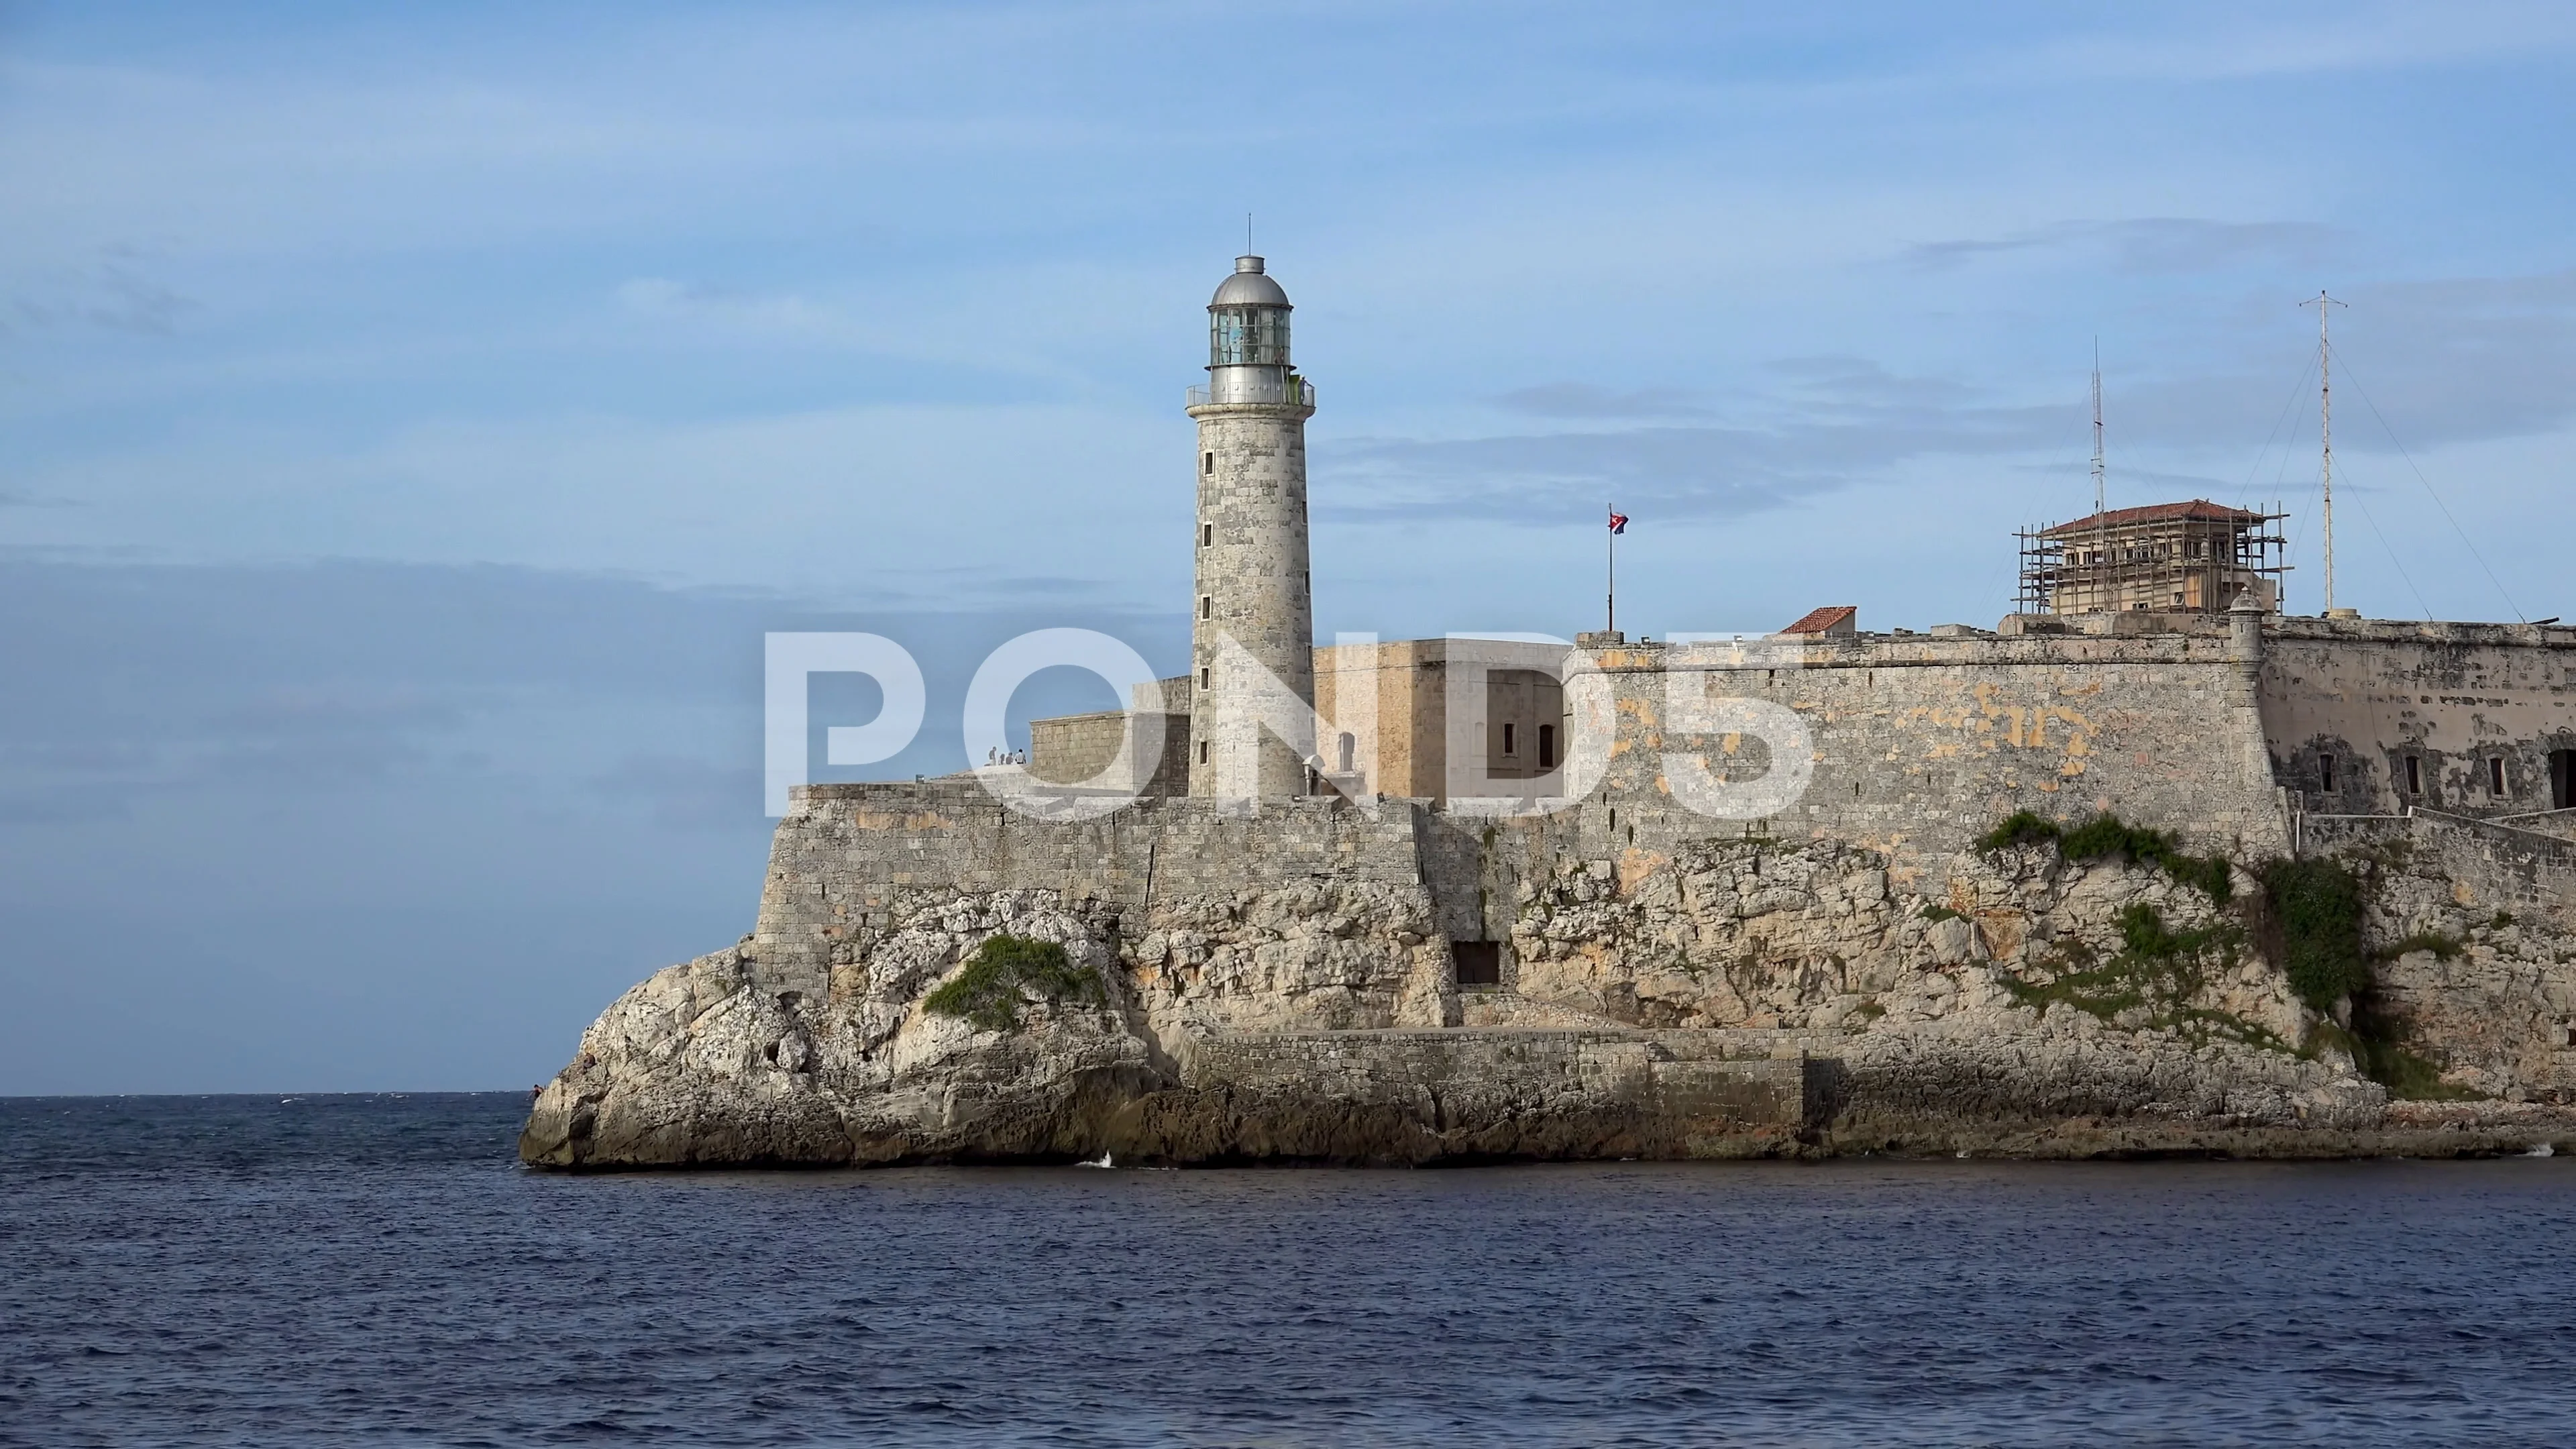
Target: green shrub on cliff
column 2019, row 828
column 2317, row 905
column 2443, row 947
column 2105, row 836
column 2108, row 835
column 1003, row 972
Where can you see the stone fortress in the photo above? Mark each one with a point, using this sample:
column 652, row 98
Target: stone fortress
column 1456, row 899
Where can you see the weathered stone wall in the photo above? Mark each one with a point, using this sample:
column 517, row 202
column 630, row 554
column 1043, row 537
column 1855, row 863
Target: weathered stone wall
column 1074, row 748
column 1919, row 745
column 2370, row 693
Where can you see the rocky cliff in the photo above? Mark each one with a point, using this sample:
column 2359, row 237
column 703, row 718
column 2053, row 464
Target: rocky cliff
column 1725, row 998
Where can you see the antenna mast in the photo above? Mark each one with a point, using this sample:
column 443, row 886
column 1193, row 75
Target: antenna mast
column 2101, row 517
column 2325, row 432
column 2097, row 426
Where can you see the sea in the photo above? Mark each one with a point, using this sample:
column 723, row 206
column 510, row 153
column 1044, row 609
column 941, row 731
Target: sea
column 362, row 1270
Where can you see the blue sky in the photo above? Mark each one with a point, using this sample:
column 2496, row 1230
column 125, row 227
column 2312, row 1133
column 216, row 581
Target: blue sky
column 413, row 417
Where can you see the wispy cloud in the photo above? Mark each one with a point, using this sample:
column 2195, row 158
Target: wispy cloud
column 776, row 313
column 1833, row 421
column 1583, row 400
column 116, row 291
column 2142, row 246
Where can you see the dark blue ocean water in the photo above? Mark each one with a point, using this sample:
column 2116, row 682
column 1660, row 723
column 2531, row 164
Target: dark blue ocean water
column 378, row 1270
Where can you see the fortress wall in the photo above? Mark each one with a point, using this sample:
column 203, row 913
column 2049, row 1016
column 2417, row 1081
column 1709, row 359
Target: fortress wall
column 1922, row 745
column 1919, row 746
column 2372, row 692
column 1070, row 749
column 849, row 860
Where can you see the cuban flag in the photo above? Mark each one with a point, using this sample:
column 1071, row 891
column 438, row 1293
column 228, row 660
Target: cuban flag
column 1618, row 521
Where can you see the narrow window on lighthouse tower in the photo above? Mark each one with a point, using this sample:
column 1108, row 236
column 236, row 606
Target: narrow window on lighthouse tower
column 1207, row 464
column 1207, row 606
column 1207, row 534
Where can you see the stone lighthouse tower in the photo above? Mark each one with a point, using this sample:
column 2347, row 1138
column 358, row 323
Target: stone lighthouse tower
column 1252, row 621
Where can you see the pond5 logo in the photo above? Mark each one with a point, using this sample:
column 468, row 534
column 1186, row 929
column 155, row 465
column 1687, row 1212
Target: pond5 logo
column 1567, row 752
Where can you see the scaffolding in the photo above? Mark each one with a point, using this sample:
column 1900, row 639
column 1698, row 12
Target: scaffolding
column 2173, row 558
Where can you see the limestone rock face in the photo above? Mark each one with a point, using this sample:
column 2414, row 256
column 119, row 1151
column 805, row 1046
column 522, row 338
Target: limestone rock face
column 698, row 1064
column 1640, row 1014
column 2014, row 995
column 1329, row 955
column 2484, row 986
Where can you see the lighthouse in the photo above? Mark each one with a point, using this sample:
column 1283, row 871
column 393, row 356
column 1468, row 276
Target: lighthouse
column 1252, row 622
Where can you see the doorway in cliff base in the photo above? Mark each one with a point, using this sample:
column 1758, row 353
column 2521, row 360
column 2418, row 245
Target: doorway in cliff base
column 1480, row 963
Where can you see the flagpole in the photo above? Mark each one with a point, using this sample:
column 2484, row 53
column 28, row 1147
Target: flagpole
column 1610, row 625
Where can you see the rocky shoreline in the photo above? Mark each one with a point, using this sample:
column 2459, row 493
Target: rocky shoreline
column 1736, row 1000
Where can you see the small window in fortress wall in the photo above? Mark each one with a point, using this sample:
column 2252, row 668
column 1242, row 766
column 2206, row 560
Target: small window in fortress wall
column 2495, row 776
column 2414, row 775
column 2325, row 773
column 2562, row 779
column 1480, row 963
column 1547, row 747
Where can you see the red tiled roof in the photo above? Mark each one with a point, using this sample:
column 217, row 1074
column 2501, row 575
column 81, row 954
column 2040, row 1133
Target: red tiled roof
column 2198, row 508
column 1818, row 621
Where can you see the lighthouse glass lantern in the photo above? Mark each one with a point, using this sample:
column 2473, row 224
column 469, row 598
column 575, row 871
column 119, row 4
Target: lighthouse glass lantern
column 1247, row 335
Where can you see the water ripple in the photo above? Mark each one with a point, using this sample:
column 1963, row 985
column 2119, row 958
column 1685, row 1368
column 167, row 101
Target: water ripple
column 366, row 1270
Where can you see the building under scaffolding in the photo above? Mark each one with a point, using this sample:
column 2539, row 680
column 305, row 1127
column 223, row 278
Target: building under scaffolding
column 2187, row 558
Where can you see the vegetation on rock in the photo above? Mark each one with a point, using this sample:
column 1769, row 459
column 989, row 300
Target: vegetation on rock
column 1004, row 972
column 2379, row 1046
column 2153, row 982
column 2021, row 827
column 2317, row 906
column 2443, row 947
column 2107, row 836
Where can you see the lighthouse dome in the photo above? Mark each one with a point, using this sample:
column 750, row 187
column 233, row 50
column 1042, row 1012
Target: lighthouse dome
column 1250, row 286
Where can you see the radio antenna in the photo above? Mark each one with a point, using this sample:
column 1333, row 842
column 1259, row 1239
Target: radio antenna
column 2101, row 504
column 2325, row 431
